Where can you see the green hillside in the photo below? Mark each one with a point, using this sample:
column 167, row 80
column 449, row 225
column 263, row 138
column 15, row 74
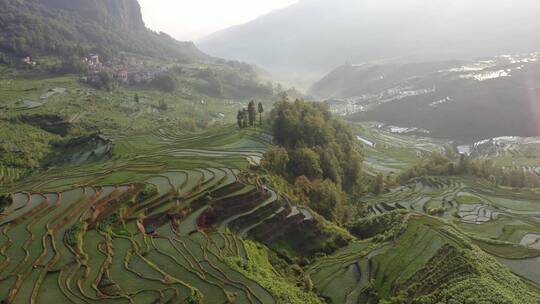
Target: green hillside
column 67, row 28
column 139, row 81
column 429, row 262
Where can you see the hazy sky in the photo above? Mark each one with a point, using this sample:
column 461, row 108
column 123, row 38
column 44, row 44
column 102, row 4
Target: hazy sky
column 194, row 19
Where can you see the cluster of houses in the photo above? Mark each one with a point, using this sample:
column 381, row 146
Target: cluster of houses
column 93, row 62
column 128, row 74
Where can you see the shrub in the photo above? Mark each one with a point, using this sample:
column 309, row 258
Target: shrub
column 72, row 65
column 436, row 211
column 74, row 236
column 106, row 81
column 165, row 82
column 381, row 227
column 258, row 268
column 5, row 201
column 147, row 192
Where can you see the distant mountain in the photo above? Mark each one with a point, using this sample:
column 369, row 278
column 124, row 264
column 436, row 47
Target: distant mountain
column 314, row 36
column 463, row 100
column 75, row 27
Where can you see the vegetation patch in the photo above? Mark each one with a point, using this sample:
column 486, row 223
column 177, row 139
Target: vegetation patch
column 5, row 201
column 461, row 276
column 258, row 268
column 381, row 228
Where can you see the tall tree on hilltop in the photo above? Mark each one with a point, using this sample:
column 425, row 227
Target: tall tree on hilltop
column 260, row 110
column 252, row 113
column 239, row 119
column 244, row 118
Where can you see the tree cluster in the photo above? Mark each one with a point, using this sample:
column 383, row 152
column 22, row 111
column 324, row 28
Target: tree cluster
column 248, row 117
column 440, row 165
column 315, row 153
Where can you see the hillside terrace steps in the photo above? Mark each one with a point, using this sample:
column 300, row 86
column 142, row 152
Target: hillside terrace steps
column 273, row 197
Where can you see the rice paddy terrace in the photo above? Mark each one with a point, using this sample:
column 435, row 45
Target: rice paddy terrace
column 160, row 222
column 503, row 222
column 453, row 221
column 389, row 152
column 510, row 152
column 168, row 218
column 430, row 261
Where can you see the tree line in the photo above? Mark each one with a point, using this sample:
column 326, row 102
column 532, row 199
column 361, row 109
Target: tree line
column 247, row 117
column 440, row 165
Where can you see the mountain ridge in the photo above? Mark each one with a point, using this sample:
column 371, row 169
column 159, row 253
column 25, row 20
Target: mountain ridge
column 65, row 28
column 462, row 100
column 314, row 36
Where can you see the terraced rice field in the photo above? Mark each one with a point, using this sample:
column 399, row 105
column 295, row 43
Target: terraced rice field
column 81, row 235
column 485, row 212
column 387, row 152
column 343, row 276
column 351, row 274
column 511, row 152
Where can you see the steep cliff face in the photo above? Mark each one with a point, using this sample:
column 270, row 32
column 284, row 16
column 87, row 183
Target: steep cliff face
column 123, row 14
column 110, row 27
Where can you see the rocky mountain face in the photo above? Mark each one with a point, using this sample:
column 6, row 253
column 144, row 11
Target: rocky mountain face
column 124, row 14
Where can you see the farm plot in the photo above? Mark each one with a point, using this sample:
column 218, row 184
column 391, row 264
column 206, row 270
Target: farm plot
column 101, row 244
column 158, row 223
column 426, row 259
column 136, row 158
column 487, row 213
column 393, row 153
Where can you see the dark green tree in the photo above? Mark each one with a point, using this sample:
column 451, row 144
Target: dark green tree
column 239, row 118
column 451, row 169
column 464, row 164
column 261, row 111
column 163, row 105
column 276, row 160
column 307, row 162
column 244, row 118
column 330, row 166
column 378, row 185
column 106, row 81
column 5, row 201
column 136, row 98
column 252, row 113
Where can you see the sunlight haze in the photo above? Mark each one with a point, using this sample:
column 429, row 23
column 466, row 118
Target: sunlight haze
column 192, row 20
